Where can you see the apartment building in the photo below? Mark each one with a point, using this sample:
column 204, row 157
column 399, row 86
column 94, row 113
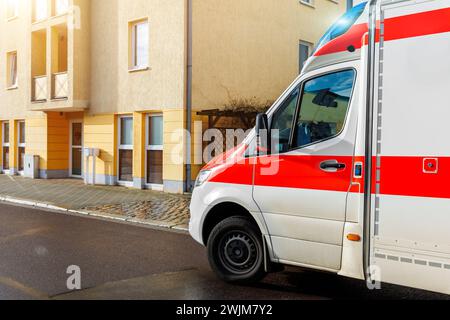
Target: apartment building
column 125, row 77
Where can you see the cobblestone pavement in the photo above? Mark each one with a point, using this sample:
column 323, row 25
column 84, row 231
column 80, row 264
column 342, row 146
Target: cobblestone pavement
column 169, row 212
column 159, row 208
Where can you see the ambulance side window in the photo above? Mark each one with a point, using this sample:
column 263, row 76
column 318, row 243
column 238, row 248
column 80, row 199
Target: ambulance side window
column 323, row 108
column 282, row 122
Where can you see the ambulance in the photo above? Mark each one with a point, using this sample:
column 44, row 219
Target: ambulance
column 349, row 171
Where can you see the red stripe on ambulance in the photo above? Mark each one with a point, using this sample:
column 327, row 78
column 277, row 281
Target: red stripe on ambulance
column 401, row 176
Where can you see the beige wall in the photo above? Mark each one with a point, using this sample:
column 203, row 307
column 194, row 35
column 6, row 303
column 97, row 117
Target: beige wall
column 15, row 36
column 249, row 49
column 113, row 87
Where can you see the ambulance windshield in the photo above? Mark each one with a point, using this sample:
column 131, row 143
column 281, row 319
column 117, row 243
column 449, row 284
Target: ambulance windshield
column 342, row 25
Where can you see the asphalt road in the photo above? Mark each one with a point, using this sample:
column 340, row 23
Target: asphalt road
column 121, row 261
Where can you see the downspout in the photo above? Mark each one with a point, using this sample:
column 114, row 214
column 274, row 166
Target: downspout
column 349, row 4
column 370, row 99
column 188, row 185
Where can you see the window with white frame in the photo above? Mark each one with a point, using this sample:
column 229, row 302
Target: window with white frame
column 305, row 50
column 40, row 10
column 11, row 77
column 5, row 146
column 139, row 45
column 125, row 149
column 12, row 9
column 21, row 145
column 154, row 149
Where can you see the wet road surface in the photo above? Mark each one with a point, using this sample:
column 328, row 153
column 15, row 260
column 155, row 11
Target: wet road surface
column 122, row 261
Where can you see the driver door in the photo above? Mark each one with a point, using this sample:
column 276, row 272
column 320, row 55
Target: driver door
column 302, row 186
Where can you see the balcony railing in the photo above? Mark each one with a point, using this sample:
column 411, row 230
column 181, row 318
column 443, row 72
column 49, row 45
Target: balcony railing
column 60, row 85
column 39, row 89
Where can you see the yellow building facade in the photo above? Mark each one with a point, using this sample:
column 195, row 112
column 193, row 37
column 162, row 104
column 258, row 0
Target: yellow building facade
column 123, row 79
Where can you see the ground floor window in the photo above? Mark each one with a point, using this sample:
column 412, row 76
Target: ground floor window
column 125, row 149
column 21, row 145
column 5, row 146
column 154, row 149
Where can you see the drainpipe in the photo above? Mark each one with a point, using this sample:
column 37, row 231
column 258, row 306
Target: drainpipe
column 189, row 97
column 349, row 4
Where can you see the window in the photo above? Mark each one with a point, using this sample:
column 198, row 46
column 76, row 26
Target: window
column 11, row 76
column 307, row 2
column 304, row 53
column 40, row 10
column 21, row 145
column 61, row 7
column 139, row 45
column 12, row 9
column 323, row 108
column 5, row 146
column 282, row 121
column 154, row 148
column 126, row 149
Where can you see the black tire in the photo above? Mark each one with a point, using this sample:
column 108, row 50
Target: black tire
column 235, row 251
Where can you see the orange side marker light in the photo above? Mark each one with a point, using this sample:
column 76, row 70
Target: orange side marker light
column 354, row 237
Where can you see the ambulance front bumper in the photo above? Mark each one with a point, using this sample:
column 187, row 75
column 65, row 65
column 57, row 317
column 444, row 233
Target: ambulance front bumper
column 198, row 210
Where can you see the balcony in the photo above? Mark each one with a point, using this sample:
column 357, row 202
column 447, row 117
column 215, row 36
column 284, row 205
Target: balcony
column 39, row 89
column 60, row 85
column 59, row 56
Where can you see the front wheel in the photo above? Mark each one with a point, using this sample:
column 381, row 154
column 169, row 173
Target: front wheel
column 235, row 251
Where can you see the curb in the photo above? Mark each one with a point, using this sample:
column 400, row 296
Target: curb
column 43, row 205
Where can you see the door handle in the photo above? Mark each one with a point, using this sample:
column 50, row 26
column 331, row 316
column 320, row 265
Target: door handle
column 332, row 166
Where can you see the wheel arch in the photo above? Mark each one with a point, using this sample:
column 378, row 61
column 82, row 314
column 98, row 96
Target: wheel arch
column 222, row 211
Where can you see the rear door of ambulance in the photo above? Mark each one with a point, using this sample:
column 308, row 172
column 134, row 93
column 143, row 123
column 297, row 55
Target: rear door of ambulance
column 410, row 243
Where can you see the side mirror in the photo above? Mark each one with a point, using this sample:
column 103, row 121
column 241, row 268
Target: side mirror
column 263, row 136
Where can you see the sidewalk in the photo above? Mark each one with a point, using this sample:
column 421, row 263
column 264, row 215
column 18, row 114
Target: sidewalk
column 139, row 206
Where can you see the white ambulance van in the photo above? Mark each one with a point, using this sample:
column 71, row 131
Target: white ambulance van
column 355, row 178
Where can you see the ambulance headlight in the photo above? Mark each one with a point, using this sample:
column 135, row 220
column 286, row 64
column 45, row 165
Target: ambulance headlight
column 203, row 176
